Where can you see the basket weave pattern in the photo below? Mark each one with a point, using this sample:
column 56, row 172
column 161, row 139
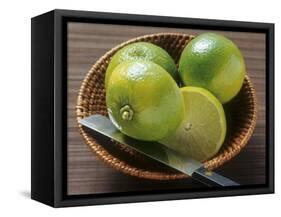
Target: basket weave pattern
column 91, row 100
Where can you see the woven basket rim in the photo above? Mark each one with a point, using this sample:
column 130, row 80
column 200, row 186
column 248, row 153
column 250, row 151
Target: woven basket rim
column 123, row 166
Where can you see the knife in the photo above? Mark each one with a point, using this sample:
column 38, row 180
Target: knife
column 158, row 152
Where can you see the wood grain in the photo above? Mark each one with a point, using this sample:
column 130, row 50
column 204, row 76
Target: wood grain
column 88, row 175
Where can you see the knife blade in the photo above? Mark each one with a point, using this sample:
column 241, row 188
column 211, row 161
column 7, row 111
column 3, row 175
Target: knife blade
column 158, row 152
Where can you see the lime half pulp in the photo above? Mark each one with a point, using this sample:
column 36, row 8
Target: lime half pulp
column 203, row 129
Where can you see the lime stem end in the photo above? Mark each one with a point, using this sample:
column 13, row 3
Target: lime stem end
column 127, row 113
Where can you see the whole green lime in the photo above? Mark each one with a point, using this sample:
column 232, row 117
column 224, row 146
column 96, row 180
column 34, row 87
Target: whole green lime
column 142, row 51
column 215, row 63
column 143, row 100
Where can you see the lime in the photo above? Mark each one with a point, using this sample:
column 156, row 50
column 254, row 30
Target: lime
column 143, row 100
column 203, row 129
column 215, row 63
column 142, row 51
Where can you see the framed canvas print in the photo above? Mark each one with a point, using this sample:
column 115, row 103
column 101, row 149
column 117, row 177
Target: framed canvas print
column 130, row 108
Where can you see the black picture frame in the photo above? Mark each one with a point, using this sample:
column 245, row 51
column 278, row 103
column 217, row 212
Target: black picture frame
column 48, row 148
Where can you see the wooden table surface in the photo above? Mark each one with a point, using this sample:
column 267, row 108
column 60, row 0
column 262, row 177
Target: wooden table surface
column 88, row 175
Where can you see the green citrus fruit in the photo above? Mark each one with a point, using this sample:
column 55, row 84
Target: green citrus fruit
column 215, row 63
column 143, row 100
column 203, row 129
column 142, row 51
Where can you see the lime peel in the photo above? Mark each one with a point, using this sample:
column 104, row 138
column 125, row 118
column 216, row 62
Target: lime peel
column 143, row 100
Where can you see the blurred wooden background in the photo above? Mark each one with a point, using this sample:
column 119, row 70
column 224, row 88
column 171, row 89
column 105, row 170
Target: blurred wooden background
column 88, row 175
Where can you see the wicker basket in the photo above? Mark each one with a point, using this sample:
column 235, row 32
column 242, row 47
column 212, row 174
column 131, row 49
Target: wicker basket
column 241, row 117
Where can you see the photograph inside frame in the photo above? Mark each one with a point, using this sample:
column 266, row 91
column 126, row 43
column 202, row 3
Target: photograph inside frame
column 179, row 93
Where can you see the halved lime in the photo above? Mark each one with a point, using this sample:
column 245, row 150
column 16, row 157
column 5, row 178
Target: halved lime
column 203, row 129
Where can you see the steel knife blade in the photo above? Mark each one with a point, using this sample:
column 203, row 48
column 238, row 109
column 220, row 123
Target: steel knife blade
column 158, row 152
